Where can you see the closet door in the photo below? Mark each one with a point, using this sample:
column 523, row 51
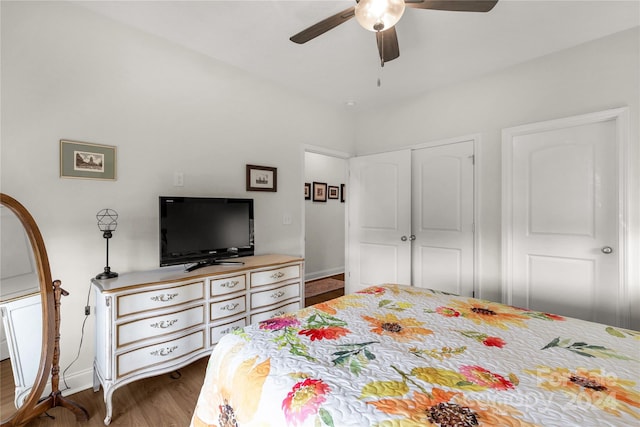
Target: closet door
column 442, row 218
column 379, row 204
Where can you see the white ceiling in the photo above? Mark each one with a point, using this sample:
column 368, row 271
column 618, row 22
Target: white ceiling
column 436, row 48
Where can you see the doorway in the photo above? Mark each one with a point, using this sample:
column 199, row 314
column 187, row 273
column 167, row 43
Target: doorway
column 324, row 214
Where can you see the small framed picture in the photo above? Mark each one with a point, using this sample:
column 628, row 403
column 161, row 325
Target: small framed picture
column 307, row 191
column 87, row 161
column 262, row 178
column 343, row 196
column 334, row 192
column 319, row 191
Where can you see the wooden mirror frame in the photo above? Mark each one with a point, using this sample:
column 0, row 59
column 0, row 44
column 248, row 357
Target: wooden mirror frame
column 50, row 353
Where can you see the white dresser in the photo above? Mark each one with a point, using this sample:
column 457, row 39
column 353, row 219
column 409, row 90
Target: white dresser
column 153, row 322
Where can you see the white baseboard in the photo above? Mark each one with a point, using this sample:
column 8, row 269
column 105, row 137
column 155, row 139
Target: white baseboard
column 77, row 382
column 322, row 274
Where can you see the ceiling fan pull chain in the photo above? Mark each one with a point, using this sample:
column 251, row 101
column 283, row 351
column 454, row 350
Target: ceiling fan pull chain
column 382, row 50
column 381, row 57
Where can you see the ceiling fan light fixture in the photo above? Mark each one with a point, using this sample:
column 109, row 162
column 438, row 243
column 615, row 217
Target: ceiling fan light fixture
column 379, row 15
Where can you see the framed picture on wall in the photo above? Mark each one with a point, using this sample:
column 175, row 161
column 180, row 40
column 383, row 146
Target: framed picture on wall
column 319, row 191
column 262, row 178
column 334, row 192
column 307, row 191
column 343, row 188
column 86, row 160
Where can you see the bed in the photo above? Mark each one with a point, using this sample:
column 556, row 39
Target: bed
column 396, row 356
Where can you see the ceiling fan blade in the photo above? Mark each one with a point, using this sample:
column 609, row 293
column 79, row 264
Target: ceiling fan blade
column 388, row 44
column 453, row 5
column 323, row 26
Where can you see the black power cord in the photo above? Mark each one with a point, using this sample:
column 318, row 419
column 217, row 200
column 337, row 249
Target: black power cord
column 87, row 313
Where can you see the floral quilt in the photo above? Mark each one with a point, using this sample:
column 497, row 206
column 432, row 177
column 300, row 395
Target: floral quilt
column 399, row 356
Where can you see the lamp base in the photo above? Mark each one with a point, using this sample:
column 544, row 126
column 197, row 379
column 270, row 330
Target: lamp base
column 107, row 274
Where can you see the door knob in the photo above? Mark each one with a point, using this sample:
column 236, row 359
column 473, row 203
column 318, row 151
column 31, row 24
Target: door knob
column 403, row 238
column 607, row 250
column 412, row 237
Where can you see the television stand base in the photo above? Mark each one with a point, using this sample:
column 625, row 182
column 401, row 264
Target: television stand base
column 202, row 264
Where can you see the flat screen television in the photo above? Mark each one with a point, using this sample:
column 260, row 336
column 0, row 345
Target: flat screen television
column 203, row 231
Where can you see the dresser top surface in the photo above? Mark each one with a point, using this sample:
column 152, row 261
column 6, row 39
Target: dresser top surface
column 178, row 273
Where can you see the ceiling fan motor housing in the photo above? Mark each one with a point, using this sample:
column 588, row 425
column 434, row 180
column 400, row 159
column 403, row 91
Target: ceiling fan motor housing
column 378, row 15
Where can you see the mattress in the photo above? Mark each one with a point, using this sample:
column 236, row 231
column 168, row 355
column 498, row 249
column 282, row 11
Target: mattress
column 398, row 356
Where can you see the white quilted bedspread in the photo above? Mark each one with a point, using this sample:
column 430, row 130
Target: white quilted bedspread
column 400, row 356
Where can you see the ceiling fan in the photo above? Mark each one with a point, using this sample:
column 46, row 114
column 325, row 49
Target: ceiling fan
column 380, row 16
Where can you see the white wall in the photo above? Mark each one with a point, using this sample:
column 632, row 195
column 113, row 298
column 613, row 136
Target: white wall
column 592, row 77
column 324, row 221
column 70, row 74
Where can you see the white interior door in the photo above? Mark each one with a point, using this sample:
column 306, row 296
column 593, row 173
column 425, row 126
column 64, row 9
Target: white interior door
column 379, row 198
column 560, row 218
column 442, row 218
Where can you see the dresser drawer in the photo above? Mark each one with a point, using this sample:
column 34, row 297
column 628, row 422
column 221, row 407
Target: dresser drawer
column 219, row 331
column 275, row 275
column 157, row 354
column 228, row 307
column 276, row 312
column 156, row 326
column 228, row 285
column 137, row 302
column 274, row 296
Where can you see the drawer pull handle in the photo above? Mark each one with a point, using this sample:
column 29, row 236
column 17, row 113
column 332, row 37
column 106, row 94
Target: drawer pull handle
column 277, row 314
column 277, row 275
column 226, row 331
column 277, row 294
column 164, row 297
column 231, row 284
column 164, row 351
column 164, row 324
column 230, row 307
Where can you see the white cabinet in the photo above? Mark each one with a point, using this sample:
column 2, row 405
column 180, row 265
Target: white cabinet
column 22, row 319
column 153, row 322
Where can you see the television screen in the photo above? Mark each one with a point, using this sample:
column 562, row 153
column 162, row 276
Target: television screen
column 204, row 230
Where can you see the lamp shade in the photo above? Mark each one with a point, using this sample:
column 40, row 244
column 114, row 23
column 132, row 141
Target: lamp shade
column 379, row 15
column 107, row 220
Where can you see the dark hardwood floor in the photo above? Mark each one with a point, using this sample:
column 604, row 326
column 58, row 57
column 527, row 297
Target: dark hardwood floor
column 316, row 299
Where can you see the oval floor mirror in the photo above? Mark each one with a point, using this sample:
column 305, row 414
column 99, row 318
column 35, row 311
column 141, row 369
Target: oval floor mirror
column 34, row 404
